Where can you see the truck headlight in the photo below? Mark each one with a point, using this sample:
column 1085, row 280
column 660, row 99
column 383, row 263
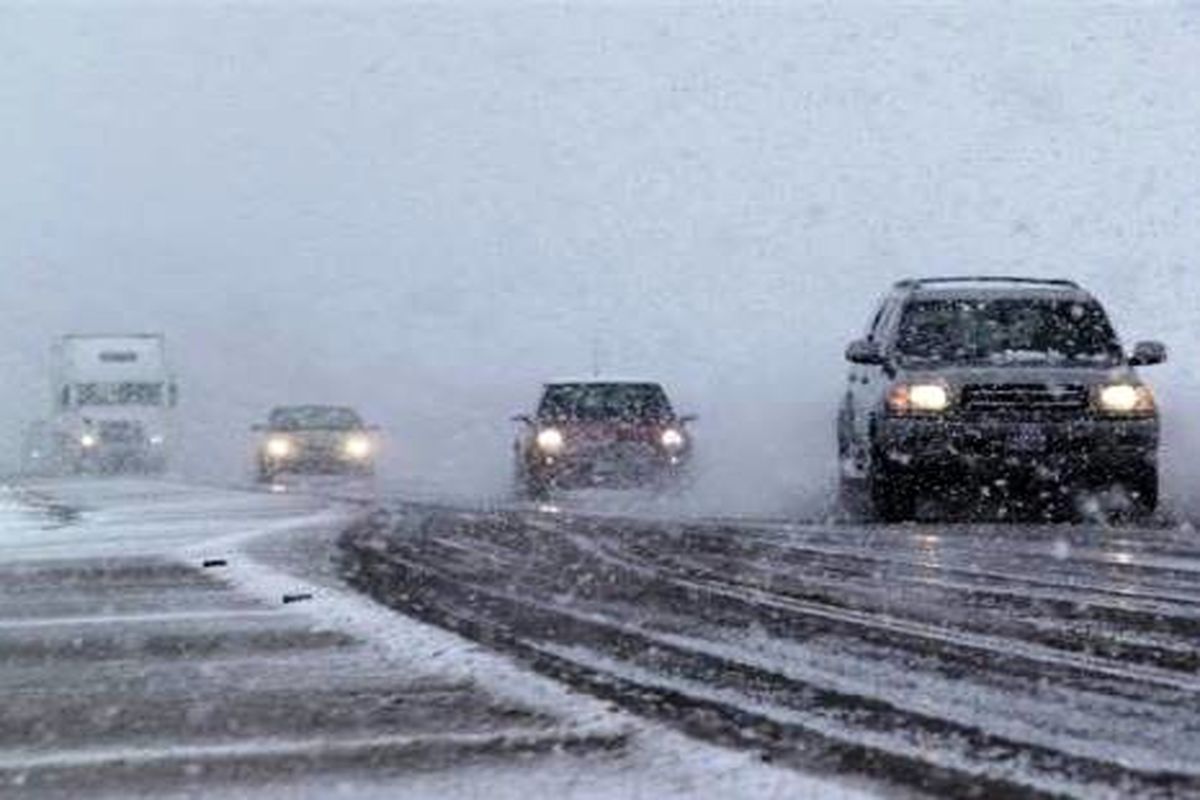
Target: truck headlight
column 357, row 447
column 672, row 439
column 1125, row 399
column 279, row 447
column 918, row 398
column 88, row 440
column 550, row 440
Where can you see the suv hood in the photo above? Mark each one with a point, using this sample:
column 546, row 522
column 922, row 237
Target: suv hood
column 961, row 375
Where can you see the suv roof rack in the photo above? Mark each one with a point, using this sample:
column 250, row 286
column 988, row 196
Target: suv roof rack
column 916, row 283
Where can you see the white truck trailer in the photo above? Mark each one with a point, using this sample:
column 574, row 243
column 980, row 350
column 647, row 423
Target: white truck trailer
column 113, row 402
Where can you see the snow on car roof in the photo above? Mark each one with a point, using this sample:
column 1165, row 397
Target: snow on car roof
column 594, row 379
column 992, row 291
column 988, row 286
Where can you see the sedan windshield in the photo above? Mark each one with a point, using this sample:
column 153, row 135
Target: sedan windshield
column 605, row 401
column 314, row 418
column 1006, row 331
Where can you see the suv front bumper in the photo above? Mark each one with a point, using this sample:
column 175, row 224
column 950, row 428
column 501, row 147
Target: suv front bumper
column 1075, row 446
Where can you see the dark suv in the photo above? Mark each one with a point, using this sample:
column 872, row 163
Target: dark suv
column 601, row 433
column 990, row 385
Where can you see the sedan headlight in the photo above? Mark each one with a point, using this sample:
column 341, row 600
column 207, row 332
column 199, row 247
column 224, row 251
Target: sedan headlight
column 358, row 447
column 550, row 440
column 279, row 447
column 1125, row 399
column 918, row 398
column 672, row 439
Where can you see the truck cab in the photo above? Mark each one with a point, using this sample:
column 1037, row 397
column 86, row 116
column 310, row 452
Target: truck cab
column 113, row 400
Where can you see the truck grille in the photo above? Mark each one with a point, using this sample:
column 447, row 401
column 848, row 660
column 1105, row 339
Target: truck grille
column 1024, row 399
column 121, row 432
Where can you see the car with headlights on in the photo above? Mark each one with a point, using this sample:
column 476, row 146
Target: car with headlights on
column 593, row 433
column 996, row 385
column 315, row 439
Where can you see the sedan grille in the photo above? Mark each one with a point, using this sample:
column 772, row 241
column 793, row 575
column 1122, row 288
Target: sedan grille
column 1024, row 399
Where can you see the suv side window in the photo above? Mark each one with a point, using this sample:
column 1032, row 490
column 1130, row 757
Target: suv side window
column 885, row 320
column 888, row 322
column 873, row 328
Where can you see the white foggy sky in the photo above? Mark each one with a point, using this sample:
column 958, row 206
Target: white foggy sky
column 426, row 209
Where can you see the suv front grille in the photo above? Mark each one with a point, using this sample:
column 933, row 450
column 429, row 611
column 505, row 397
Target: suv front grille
column 1024, row 399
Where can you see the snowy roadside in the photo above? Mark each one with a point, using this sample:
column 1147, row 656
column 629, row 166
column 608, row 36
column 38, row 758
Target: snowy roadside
column 265, row 547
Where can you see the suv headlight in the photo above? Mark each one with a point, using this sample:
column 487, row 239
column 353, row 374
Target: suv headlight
column 279, row 447
column 88, row 441
column 550, row 440
column 1125, row 400
column 918, row 398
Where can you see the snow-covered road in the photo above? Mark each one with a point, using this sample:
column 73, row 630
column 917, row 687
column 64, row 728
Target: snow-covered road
column 964, row 660
column 164, row 640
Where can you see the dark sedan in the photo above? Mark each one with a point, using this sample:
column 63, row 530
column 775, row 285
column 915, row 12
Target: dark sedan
column 315, row 439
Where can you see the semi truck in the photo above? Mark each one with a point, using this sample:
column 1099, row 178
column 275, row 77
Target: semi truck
column 113, row 400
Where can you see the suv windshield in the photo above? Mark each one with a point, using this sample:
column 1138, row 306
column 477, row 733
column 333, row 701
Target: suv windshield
column 314, row 417
column 604, row 401
column 1007, row 330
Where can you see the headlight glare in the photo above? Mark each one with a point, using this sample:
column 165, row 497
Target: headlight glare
column 88, row 441
column 1125, row 399
column 279, row 447
column 550, row 440
column 358, row 447
column 918, row 398
column 672, row 439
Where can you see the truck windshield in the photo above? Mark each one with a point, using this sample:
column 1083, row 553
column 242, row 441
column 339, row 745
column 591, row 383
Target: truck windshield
column 602, row 401
column 119, row 394
column 1008, row 330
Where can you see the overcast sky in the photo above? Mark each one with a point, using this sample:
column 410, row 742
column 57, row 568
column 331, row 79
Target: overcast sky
column 425, row 210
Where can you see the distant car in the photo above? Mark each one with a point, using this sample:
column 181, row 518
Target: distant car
column 315, row 439
column 602, row 433
column 990, row 384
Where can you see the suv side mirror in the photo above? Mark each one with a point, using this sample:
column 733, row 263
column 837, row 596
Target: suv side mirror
column 528, row 420
column 1147, row 354
column 864, row 351
column 686, row 418
column 258, row 427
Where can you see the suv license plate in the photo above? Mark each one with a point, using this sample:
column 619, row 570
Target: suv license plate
column 1027, row 439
